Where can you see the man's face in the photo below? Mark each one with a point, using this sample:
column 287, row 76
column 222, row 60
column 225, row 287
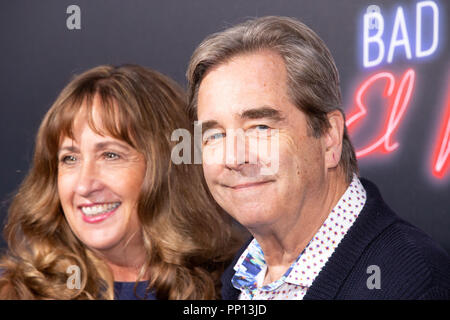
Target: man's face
column 249, row 92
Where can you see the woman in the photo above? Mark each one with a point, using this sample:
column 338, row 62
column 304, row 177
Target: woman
column 103, row 201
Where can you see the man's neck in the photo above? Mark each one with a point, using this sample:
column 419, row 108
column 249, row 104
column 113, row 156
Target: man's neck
column 283, row 244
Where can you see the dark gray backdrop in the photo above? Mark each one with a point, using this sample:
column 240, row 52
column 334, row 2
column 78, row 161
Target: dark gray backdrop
column 39, row 55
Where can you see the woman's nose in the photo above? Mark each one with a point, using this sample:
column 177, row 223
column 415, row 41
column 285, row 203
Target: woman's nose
column 88, row 180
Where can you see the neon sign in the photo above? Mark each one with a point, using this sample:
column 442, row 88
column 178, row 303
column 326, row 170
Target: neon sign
column 441, row 159
column 397, row 93
column 374, row 27
column 398, row 103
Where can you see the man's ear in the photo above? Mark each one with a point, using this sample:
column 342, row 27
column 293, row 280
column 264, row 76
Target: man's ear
column 333, row 139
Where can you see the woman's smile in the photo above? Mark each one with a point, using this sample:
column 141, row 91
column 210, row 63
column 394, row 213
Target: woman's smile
column 97, row 212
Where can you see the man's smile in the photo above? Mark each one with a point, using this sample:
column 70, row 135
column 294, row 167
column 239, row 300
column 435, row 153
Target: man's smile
column 248, row 185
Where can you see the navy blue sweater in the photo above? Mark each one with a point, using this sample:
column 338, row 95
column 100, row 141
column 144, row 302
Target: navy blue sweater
column 125, row 291
column 411, row 264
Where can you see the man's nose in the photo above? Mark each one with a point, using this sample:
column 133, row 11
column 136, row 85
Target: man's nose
column 88, row 180
column 238, row 153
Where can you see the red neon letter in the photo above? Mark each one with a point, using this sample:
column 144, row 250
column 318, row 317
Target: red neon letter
column 398, row 102
column 442, row 150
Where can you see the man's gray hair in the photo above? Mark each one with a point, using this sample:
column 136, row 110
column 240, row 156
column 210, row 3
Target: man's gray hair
column 313, row 79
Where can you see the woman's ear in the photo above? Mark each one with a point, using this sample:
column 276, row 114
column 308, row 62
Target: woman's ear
column 333, row 139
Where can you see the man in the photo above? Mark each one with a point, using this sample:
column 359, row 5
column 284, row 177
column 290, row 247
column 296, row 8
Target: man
column 319, row 231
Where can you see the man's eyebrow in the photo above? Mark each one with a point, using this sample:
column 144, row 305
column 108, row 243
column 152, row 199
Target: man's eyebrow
column 209, row 124
column 254, row 113
column 262, row 112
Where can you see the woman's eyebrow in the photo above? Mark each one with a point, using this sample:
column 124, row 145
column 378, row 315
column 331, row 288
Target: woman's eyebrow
column 106, row 144
column 68, row 148
column 98, row 147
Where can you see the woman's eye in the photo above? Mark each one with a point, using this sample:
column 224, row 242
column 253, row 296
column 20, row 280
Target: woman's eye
column 68, row 159
column 111, row 155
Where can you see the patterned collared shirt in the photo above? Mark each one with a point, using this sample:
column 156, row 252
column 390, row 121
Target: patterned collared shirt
column 251, row 267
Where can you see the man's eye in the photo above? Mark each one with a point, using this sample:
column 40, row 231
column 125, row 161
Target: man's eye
column 258, row 129
column 215, row 137
column 111, row 155
column 262, row 127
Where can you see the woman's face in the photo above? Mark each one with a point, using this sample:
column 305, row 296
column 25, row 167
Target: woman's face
column 99, row 182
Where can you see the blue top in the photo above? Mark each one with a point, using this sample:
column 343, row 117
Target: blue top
column 125, row 291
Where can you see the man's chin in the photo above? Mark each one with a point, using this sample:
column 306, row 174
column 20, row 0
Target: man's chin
column 253, row 220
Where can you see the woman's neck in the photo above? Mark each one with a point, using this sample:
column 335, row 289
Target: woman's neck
column 125, row 273
column 126, row 261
